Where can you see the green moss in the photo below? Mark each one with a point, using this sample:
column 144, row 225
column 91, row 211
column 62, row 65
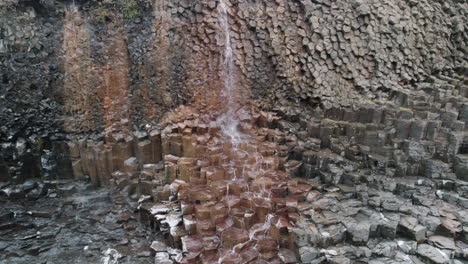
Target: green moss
column 104, row 15
column 130, row 9
column 108, row 10
column 404, row 109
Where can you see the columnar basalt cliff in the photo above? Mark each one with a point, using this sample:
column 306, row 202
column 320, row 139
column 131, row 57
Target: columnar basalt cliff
column 302, row 131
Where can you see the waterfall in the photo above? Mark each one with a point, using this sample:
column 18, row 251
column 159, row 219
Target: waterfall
column 230, row 85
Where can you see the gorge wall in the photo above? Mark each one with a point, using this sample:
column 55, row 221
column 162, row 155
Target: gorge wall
column 60, row 61
column 367, row 98
column 96, row 66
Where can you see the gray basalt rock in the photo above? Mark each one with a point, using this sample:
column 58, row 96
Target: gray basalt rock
column 432, row 254
column 308, row 254
column 461, row 167
column 410, row 228
column 437, row 169
column 358, row 231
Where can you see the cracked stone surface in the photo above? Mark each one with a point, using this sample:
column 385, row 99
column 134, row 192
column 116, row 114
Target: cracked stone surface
column 347, row 141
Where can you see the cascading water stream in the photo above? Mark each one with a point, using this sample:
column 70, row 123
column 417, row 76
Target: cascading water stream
column 229, row 120
column 229, row 95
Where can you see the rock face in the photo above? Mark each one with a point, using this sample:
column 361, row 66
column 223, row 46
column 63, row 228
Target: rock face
column 166, row 53
column 352, row 143
column 95, row 68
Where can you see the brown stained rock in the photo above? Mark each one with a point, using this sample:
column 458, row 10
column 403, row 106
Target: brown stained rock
column 247, row 199
column 205, row 228
column 213, row 173
column 208, row 257
column 186, row 207
column 237, row 187
column 297, row 191
column 223, row 193
column 219, row 188
column 231, row 258
column 249, row 253
column 270, row 163
column 172, row 144
column 189, row 146
column 179, row 186
column 187, row 169
column 175, row 148
column 262, row 184
column 74, row 150
column 293, row 168
column 199, row 194
column 211, row 244
column 240, row 221
column 279, row 227
column 219, row 212
column 153, row 170
column 262, row 208
column 76, row 166
column 232, row 201
column 202, row 212
column 233, row 236
column 192, row 244
column 216, row 159
column 124, row 151
column 271, row 257
column 114, row 157
column 292, row 204
column 224, row 224
column 89, row 166
column 102, row 165
column 145, row 152
column 162, row 193
column 170, row 169
column 450, row 228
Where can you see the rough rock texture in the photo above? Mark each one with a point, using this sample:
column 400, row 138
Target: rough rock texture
column 59, row 60
column 370, row 113
column 70, row 222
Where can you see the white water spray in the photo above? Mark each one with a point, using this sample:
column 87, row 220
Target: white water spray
column 228, row 120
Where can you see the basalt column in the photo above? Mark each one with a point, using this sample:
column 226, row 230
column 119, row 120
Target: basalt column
column 162, row 24
column 80, row 92
column 117, row 87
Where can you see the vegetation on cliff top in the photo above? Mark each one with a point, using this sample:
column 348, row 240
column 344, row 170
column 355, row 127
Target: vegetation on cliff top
column 109, row 9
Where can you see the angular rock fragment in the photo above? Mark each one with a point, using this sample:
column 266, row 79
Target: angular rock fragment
column 410, row 228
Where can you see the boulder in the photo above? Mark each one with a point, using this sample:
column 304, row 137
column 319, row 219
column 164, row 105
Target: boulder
column 432, row 255
column 409, row 227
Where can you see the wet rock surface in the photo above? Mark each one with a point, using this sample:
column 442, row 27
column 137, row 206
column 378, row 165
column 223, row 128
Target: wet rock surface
column 331, row 207
column 272, row 196
column 359, row 155
column 70, row 222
